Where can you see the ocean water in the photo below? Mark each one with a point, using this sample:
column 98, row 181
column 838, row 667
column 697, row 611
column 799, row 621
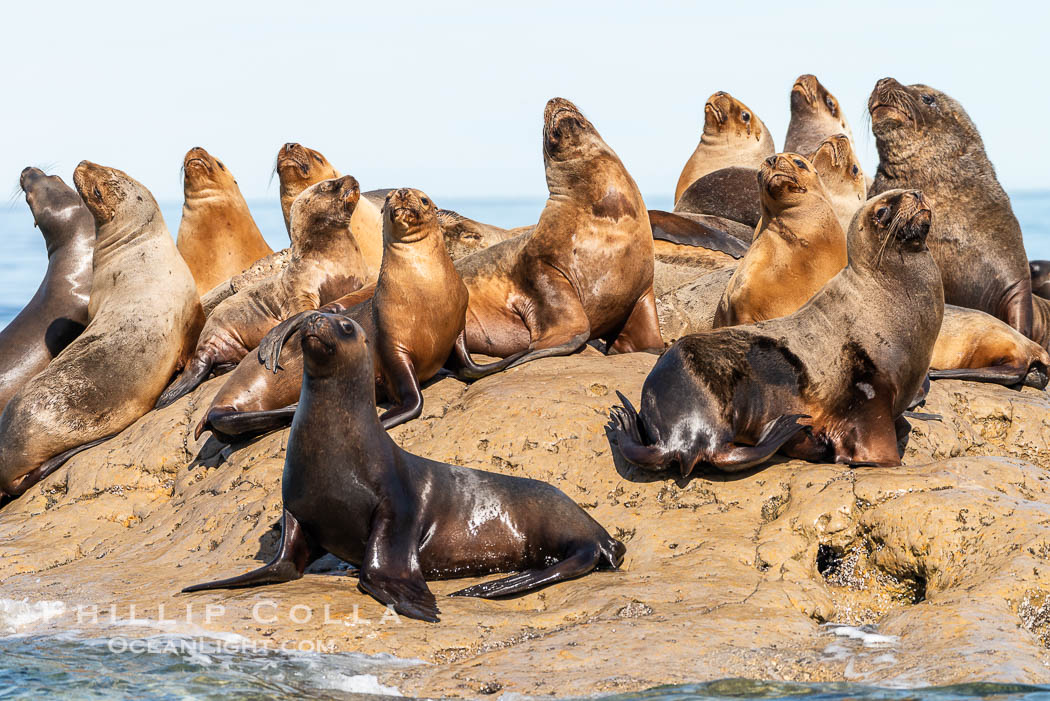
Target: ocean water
column 24, row 260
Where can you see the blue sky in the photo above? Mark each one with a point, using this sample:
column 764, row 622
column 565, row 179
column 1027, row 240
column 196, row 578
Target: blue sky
column 448, row 97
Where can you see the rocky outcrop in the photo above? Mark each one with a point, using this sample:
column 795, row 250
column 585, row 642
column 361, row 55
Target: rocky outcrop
column 743, row 575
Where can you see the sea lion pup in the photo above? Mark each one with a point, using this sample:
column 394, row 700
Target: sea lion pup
column 58, row 312
column 217, row 236
column 144, row 316
column 849, row 362
column 976, row 346
column 733, row 136
column 815, row 115
column 548, row 292
column 1040, row 270
column 799, row 245
column 349, row 490
column 325, row 264
column 844, row 184
column 926, row 140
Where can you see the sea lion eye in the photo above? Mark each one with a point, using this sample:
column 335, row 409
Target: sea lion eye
column 880, row 214
column 801, row 164
column 221, row 165
column 318, row 158
column 97, row 193
column 855, row 169
column 745, row 116
column 929, row 99
column 425, row 201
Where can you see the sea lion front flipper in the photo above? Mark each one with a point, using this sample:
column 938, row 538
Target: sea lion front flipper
column 401, row 378
column 241, row 425
column 196, row 372
column 390, row 571
column 734, row 457
column 582, row 560
column 269, row 351
column 673, row 228
column 294, row 555
column 1008, row 375
column 641, row 333
column 469, row 370
column 41, row 472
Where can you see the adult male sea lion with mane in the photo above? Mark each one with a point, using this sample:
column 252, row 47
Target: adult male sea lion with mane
column 144, row 316
column 58, row 312
column 828, row 383
column 349, row 490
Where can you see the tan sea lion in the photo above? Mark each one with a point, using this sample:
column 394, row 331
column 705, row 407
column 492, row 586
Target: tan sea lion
column 410, row 341
column 844, row 182
column 326, row 263
column 926, row 140
column 348, row 489
column 799, row 245
column 815, row 115
column 217, row 236
column 58, row 312
column 299, row 167
column 976, row 346
column 145, row 315
column 733, row 136
column 829, row 383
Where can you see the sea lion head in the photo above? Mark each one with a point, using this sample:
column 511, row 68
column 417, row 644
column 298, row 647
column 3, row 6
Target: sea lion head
column 111, row 194
column 298, row 165
column 836, row 162
column 810, row 99
column 52, row 202
column 567, row 134
column 727, row 117
column 335, row 346
column 785, row 179
column 326, row 206
column 203, row 171
column 888, row 228
column 920, row 115
column 408, row 216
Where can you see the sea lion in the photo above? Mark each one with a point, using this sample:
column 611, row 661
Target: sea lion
column 733, row 136
column 1040, row 270
column 144, row 316
column 326, row 263
column 299, row 167
column 827, row 383
column 349, row 490
column 217, row 236
column 58, row 312
column 844, row 184
column 702, row 232
column 410, row 341
column 976, row 346
column 799, row 245
column 730, row 193
column 815, row 115
column 550, row 291
column 926, row 140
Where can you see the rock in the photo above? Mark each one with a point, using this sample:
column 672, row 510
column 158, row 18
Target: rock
column 743, row 575
column 690, row 308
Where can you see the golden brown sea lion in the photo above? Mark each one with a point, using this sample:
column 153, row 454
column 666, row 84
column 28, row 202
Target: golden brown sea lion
column 799, row 245
column 325, row 264
column 976, row 346
column 217, row 236
column 144, row 313
column 733, row 136
column 926, row 140
column 830, row 382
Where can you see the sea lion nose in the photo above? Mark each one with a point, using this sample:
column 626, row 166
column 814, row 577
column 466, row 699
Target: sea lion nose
column 886, row 84
column 28, row 174
column 771, row 161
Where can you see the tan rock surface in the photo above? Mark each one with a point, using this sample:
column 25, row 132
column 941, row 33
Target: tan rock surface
column 949, row 554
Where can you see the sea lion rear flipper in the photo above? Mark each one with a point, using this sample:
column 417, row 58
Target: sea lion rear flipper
column 626, row 429
column 390, row 571
column 1009, row 375
column 469, row 370
column 294, row 555
column 401, row 378
column 30, row 478
column 734, row 457
column 583, row 560
column 673, row 228
column 270, row 346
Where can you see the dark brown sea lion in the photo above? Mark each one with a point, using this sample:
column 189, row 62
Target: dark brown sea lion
column 144, row 316
column 844, row 184
column 976, row 346
column 927, row 141
column 731, row 193
column 326, row 263
column 217, row 236
column 349, row 490
column 799, row 245
column 733, row 136
column 827, row 383
column 58, row 312
column 698, row 232
column 412, row 318
column 815, row 115
column 1040, row 270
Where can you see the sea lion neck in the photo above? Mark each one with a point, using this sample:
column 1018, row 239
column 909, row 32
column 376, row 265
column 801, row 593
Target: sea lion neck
column 123, row 231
